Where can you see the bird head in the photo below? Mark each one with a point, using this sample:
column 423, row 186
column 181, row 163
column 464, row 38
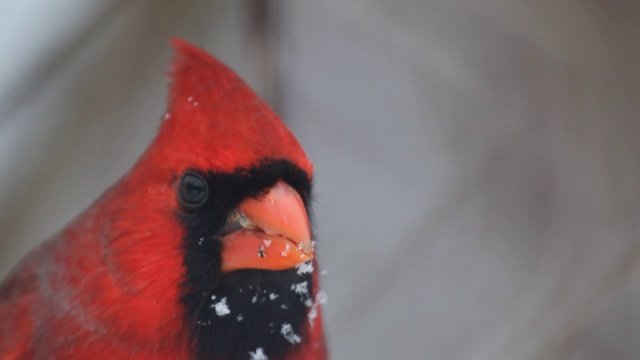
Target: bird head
column 218, row 206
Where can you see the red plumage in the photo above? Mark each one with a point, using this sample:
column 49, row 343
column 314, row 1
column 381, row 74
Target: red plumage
column 107, row 286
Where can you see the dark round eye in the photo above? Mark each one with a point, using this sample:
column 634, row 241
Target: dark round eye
column 193, row 190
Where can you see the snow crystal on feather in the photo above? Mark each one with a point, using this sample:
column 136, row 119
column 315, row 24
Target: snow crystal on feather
column 305, row 268
column 287, row 331
column 313, row 313
column 258, row 355
column 321, row 298
column 221, row 307
column 300, row 288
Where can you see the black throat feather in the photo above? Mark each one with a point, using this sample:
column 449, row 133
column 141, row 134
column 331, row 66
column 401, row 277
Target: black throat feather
column 234, row 315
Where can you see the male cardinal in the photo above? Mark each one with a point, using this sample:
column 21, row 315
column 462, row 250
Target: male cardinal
column 202, row 251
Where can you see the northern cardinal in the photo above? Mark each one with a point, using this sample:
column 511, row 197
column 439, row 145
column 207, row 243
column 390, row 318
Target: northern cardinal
column 202, row 251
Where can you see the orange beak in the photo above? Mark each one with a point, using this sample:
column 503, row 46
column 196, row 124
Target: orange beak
column 269, row 232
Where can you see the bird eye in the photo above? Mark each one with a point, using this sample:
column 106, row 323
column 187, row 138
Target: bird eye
column 193, row 190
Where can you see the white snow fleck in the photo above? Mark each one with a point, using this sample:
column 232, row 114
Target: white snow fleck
column 221, row 307
column 322, row 297
column 284, row 307
column 287, row 331
column 267, row 242
column 313, row 313
column 167, row 116
column 190, row 99
column 239, row 317
column 300, row 288
column 254, row 299
column 258, row 354
column 200, row 241
column 273, row 296
column 324, row 272
column 213, row 297
column 285, row 252
column 305, row 268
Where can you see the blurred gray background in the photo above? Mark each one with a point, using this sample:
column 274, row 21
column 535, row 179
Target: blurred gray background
column 477, row 162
